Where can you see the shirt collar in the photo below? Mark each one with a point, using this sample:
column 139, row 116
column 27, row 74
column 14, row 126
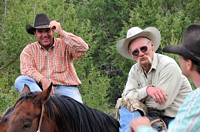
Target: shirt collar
column 154, row 63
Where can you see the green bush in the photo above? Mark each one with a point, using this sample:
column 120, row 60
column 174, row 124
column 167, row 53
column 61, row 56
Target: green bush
column 94, row 90
column 8, row 99
column 101, row 24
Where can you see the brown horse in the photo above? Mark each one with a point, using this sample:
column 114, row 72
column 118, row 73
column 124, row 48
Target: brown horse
column 40, row 111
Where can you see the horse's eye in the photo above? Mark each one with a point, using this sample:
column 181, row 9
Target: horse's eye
column 27, row 123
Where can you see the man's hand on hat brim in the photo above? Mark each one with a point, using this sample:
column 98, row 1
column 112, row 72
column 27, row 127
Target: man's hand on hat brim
column 56, row 27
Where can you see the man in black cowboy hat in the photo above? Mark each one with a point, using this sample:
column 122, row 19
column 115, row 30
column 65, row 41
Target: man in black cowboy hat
column 155, row 80
column 51, row 59
column 188, row 116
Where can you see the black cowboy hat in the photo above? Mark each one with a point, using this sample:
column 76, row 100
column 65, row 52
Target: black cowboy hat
column 190, row 47
column 41, row 21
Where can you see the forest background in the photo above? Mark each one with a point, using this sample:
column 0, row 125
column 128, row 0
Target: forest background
column 101, row 23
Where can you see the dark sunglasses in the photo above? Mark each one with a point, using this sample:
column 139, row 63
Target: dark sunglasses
column 143, row 49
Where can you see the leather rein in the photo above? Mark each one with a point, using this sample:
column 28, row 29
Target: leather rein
column 40, row 121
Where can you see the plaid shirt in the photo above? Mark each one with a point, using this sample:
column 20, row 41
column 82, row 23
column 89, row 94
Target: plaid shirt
column 56, row 64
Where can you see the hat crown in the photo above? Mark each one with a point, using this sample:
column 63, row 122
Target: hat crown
column 190, row 47
column 191, row 39
column 133, row 31
column 40, row 20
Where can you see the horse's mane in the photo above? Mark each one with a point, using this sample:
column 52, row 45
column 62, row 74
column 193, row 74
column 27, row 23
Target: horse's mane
column 70, row 115
column 81, row 117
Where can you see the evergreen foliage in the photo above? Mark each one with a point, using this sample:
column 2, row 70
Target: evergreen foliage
column 94, row 90
column 101, row 23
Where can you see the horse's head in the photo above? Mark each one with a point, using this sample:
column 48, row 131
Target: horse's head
column 28, row 112
column 40, row 111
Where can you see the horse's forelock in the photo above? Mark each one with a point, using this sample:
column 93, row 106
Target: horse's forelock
column 27, row 96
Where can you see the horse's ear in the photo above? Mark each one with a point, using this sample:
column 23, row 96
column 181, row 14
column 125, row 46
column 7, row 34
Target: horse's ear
column 25, row 90
column 44, row 95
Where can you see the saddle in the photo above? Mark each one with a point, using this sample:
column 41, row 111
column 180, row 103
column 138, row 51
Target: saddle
column 152, row 114
column 156, row 120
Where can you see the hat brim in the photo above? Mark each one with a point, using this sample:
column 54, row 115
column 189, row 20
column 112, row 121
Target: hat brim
column 152, row 33
column 30, row 29
column 180, row 50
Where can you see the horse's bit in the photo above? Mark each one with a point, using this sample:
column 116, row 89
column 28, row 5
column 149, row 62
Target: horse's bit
column 40, row 121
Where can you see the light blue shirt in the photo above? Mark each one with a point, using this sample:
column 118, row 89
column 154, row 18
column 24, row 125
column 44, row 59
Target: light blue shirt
column 188, row 116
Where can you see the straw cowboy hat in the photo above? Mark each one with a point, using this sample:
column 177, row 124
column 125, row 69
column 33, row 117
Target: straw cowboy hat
column 41, row 21
column 190, row 47
column 135, row 32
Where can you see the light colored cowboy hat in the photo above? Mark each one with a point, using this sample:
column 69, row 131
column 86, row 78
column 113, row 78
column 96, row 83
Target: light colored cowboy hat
column 41, row 21
column 190, row 47
column 135, row 32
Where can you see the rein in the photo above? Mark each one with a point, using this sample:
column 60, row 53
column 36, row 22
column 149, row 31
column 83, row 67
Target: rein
column 40, row 121
column 161, row 121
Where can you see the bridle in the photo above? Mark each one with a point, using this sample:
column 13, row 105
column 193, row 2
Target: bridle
column 41, row 115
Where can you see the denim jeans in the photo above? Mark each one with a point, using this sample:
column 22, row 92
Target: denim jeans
column 70, row 91
column 167, row 120
column 125, row 119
